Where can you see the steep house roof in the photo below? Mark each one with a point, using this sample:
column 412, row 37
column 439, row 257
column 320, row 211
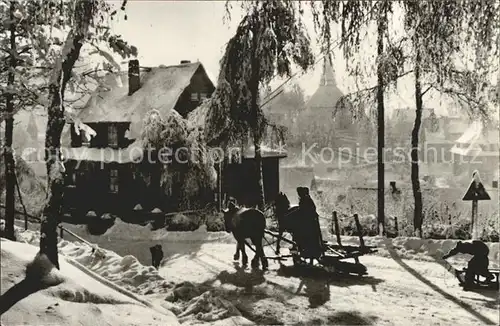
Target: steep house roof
column 160, row 89
column 478, row 140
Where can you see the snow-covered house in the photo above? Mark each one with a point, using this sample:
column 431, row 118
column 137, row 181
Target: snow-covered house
column 477, row 149
column 100, row 169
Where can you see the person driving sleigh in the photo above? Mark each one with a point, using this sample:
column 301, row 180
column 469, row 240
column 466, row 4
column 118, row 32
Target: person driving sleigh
column 478, row 265
column 310, row 235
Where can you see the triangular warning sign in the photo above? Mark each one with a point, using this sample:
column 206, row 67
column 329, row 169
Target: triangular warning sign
column 476, row 191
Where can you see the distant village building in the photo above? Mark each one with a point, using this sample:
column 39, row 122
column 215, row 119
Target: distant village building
column 345, row 125
column 102, row 170
column 437, row 133
column 478, row 149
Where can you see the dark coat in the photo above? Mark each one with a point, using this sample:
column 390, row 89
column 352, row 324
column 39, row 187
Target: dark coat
column 310, row 238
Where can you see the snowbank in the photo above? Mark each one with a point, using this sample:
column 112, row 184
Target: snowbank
column 126, row 271
column 200, row 307
column 125, row 231
column 135, row 240
column 416, row 248
column 79, row 299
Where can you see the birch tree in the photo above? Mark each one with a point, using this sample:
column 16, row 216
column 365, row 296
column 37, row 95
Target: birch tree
column 355, row 19
column 31, row 44
column 269, row 39
column 440, row 32
column 52, row 58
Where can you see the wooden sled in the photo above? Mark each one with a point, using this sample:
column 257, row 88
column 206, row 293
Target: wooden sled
column 479, row 283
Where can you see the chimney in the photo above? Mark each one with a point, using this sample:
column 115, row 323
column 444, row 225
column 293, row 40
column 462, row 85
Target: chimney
column 134, row 79
column 185, row 61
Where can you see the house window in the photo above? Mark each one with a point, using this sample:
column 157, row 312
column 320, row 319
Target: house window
column 71, row 179
column 203, row 96
column 113, row 181
column 112, row 136
column 194, row 97
column 85, row 140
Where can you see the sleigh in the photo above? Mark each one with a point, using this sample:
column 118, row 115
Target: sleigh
column 479, row 281
column 333, row 257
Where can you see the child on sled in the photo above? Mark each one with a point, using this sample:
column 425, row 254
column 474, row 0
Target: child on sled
column 478, row 265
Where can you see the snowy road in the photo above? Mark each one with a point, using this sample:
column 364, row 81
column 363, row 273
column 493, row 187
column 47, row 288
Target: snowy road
column 396, row 292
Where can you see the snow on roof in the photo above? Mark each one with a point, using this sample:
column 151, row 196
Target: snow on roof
column 471, row 134
column 160, row 89
column 478, row 140
column 266, row 151
column 480, row 134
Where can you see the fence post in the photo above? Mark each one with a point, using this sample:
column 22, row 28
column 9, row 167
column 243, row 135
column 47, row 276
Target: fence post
column 337, row 228
column 360, row 230
column 396, row 225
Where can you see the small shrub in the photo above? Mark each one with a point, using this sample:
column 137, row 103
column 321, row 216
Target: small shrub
column 490, row 235
column 99, row 225
column 181, row 222
column 215, row 222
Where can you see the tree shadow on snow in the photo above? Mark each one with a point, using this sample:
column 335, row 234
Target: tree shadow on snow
column 490, row 304
column 18, row 292
column 242, row 277
column 351, row 318
column 38, row 277
column 417, row 275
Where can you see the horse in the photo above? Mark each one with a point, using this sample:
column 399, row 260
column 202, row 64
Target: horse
column 288, row 217
column 246, row 223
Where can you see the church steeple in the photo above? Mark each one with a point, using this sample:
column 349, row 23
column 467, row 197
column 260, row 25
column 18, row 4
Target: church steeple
column 328, row 76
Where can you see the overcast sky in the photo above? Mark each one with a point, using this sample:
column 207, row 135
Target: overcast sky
column 166, row 32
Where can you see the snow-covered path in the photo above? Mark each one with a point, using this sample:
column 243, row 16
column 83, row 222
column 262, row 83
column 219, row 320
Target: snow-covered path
column 396, row 292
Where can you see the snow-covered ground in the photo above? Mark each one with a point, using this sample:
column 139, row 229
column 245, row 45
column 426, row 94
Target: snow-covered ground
column 78, row 300
column 199, row 282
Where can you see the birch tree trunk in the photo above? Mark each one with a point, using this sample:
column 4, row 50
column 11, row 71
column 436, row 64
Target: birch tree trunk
column 255, row 123
column 381, row 29
column 10, row 176
column 52, row 211
column 415, row 180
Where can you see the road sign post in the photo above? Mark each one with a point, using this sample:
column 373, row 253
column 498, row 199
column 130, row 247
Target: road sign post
column 475, row 193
